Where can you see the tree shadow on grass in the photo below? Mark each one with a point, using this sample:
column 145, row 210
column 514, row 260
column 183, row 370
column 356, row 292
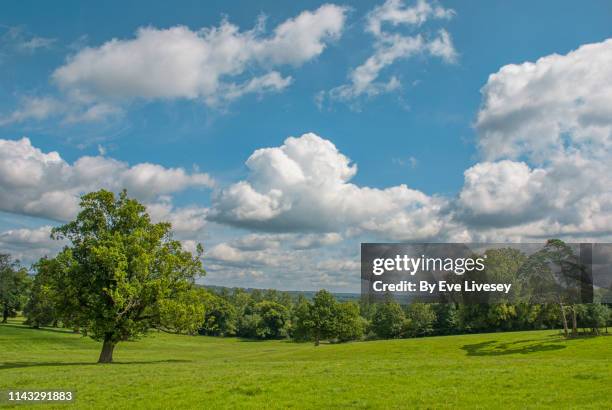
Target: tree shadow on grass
column 494, row 348
column 17, row 365
column 579, row 336
column 41, row 329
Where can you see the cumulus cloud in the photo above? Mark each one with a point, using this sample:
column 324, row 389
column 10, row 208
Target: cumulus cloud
column 281, row 267
column 28, row 245
column 555, row 115
column 502, row 193
column 571, row 196
column 391, row 46
column 538, row 108
column 33, row 182
column 208, row 64
column 228, row 254
column 186, row 222
column 304, row 185
column 544, row 131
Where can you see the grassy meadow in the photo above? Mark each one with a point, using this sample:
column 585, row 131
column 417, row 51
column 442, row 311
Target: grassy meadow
column 512, row 370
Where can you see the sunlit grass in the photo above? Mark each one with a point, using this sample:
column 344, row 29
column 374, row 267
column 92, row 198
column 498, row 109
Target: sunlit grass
column 511, row 370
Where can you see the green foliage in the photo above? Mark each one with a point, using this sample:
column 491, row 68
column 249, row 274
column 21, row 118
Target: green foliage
column 552, row 273
column 321, row 316
column 183, row 314
column 123, row 274
column 263, row 319
column 421, row 318
column 447, row 318
column 14, row 285
column 594, row 316
column 501, row 316
column 42, row 306
column 502, row 266
column 326, row 319
column 456, row 372
column 349, row 324
column 300, row 329
column 220, row 316
column 273, row 320
column 388, row 320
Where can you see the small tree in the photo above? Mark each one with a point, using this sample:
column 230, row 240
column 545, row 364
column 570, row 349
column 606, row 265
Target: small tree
column 554, row 272
column 421, row 318
column 220, row 316
column 593, row 316
column 121, row 271
column 388, row 320
column 41, row 308
column 447, row 318
column 349, row 324
column 14, row 284
column 322, row 316
column 300, row 320
column 273, row 320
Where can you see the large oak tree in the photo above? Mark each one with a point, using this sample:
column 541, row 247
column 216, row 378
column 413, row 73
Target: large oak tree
column 121, row 272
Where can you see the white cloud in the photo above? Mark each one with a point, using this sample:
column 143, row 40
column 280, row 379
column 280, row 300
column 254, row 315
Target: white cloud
column 538, row 108
column 270, row 82
column 45, row 107
column 395, row 13
column 391, row 46
column 281, row 267
column 304, row 186
column 544, row 129
column 555, row 115
column 500, row 193
column 313, row 241
column 572, row 195
column 208, row 64
column 186, row 222
column 25, row 237
column 229, row 255
column 442, row 46
column 33, row 182
column 258, row 242
column 19, row 40
column 28, row 245
column 36, row 108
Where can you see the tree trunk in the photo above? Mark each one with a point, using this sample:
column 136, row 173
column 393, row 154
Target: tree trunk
column 317, row 339
column 564, row 319
column 5, row 314
column 106, row 355
column 574, row 322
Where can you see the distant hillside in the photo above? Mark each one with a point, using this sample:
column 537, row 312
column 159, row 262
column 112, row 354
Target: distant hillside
column 308, row 294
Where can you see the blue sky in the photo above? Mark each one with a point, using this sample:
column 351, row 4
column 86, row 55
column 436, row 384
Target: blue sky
column 423, row 131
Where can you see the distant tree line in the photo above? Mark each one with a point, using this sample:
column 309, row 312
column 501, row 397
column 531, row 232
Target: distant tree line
column 122, row 275
column 272, row 314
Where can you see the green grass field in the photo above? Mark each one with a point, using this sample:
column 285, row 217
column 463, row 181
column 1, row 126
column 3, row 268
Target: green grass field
column 510, row 370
